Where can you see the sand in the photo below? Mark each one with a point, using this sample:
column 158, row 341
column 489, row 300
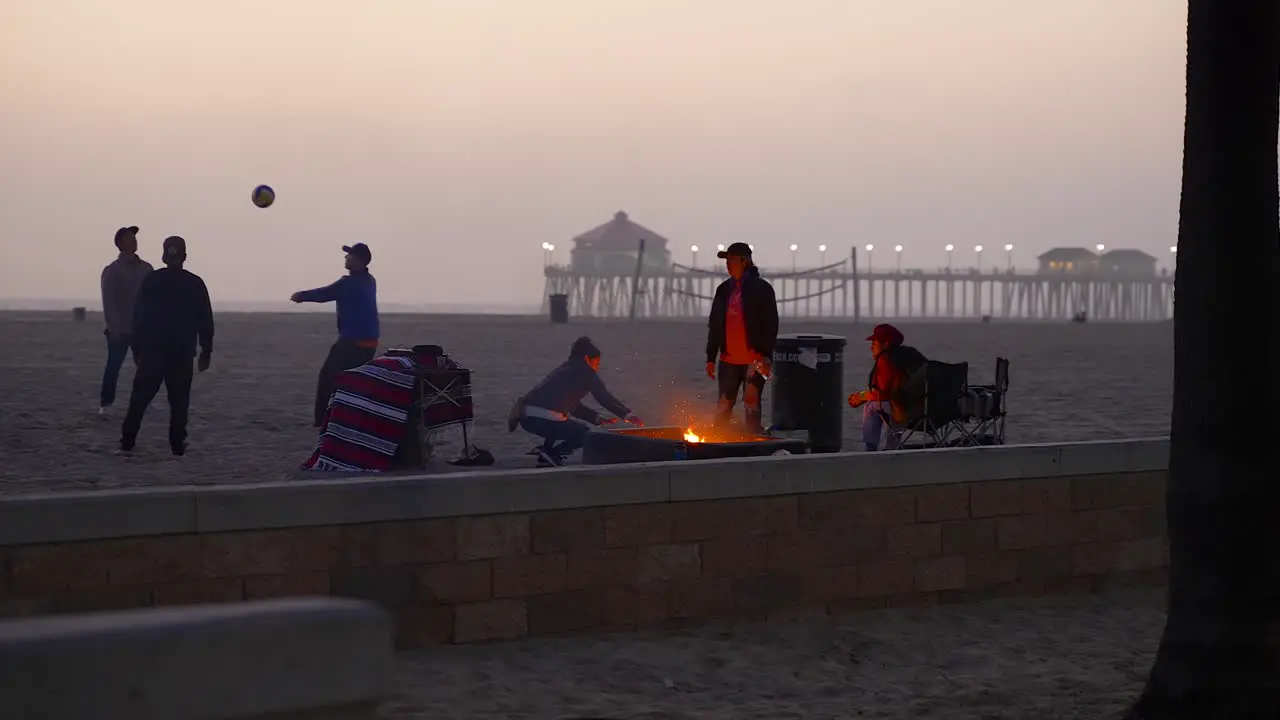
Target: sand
column 250, row 416
column 1061, row 658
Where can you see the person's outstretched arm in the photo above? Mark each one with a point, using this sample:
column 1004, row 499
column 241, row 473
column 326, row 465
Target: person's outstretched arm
column 606, row 398
column 328, row 293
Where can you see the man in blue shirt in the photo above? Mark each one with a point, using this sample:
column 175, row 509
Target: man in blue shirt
column 356, row 295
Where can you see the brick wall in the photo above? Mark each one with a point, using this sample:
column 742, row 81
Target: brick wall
column 472, row 579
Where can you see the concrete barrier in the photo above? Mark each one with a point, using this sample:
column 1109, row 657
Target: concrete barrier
column 302, row 658
column 485, row 555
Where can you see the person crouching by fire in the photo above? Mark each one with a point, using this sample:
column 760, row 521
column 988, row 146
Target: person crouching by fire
column 553, row 409
column 741, row 333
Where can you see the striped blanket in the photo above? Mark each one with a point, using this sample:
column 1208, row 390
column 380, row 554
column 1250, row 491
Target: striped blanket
column 367, row 415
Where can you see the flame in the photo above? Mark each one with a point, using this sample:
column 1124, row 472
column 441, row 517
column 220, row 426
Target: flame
column 690, row 436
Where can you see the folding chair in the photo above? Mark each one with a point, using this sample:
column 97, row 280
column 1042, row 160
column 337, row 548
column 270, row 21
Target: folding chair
column 941, row 417
column 985, row 409
column 444, row 400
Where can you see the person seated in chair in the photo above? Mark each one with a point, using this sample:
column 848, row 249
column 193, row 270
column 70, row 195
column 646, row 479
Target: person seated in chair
column 895, row 388
column 553, row 409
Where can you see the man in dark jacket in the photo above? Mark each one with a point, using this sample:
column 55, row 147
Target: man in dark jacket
column 356, row 295
column 553, row 409
column 173, row 313
column 895, row 387
column 741, row 333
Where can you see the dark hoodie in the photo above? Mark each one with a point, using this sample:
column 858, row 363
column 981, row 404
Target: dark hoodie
column 759, row 311
column 563, row 390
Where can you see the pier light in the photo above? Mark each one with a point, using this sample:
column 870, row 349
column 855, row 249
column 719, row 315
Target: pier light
column 822, row 248
column 871, row 248
column 551, row 248
column 1008, row 256
column 871, row 255
column 1008, row 248
column 1100, row 247
column 693, row 249
column 545, row 246
column 949, row 248
column 977, row 249
column 897, row 249
column 1173, row 249
column 794, row 248
column 720, row 247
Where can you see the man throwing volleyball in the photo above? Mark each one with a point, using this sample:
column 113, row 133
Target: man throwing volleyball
column 741, row 333
column 356, row 295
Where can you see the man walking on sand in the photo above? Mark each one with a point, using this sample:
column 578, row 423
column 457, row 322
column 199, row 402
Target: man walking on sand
column 741, row 333
column 173, row 313
column 356, row 295
column 121, row 281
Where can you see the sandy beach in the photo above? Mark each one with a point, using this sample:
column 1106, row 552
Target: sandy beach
column 1063, row 658
column 250, row 416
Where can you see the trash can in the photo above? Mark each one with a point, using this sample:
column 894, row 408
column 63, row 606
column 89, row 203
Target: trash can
column 808, row 388
column 559, row 309
column 79, row 314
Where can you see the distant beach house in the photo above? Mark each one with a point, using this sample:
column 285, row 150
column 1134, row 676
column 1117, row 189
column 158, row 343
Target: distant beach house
column 1069, row 261
column 611, row 248
column 1130, row 263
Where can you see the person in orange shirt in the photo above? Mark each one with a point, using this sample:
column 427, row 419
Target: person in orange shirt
column 741, row 333
column 894, row 387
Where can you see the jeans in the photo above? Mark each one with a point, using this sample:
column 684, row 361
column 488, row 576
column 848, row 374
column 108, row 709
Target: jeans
column 729, row 379
column 560, row 437
column 873, row 426
column 117, row 348
column 343, row 356
column 173, row 369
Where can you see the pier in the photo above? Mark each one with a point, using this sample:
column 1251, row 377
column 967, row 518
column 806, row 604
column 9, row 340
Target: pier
column 622, row 269
column 837, row 292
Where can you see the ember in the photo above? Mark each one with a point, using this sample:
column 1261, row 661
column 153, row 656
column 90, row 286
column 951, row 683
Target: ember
column 690, row 436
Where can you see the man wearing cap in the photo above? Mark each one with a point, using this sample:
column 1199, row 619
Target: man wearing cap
column 172, row 315
column 741, row 333
column 895, row 386
column 356, row 295
column 121, row 281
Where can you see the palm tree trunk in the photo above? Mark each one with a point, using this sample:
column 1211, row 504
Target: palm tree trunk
column 1219, row 656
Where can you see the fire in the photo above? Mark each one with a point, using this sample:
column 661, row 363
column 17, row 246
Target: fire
column 690, row 436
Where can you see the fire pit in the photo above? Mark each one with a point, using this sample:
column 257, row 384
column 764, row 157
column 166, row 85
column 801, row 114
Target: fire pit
column 633, row 445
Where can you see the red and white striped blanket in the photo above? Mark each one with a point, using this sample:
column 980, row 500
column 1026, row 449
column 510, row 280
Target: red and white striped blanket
column 367, row 415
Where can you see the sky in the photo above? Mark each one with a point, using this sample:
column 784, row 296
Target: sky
column 457, row 137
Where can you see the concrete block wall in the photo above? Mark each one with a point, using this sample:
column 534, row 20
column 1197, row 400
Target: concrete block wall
column 486, row 556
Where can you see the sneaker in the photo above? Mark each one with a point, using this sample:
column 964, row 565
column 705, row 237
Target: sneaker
column 123, row 451
column 104, row 410
column 546, row 460
column 179, row 450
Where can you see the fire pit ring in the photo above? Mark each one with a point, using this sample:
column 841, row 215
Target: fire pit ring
column 657, row 444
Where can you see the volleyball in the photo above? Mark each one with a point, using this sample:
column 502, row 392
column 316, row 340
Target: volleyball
column 263, row 196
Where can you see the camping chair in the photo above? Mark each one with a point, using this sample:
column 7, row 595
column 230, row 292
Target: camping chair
column 984, row 408
column 941, row 417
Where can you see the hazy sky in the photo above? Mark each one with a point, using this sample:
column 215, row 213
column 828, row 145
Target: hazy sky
column 456, row 137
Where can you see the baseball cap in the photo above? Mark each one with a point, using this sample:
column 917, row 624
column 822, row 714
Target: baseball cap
column 738, row 249
column 360, row 250
column 174, row 246
column 125, row 232
column 887, row 334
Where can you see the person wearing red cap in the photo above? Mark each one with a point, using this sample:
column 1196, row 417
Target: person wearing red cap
column 894, row 387
column 741, row 333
